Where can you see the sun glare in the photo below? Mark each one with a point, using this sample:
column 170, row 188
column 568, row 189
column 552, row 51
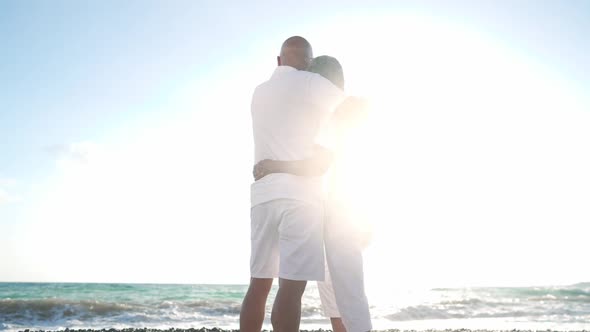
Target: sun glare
column 469, row 143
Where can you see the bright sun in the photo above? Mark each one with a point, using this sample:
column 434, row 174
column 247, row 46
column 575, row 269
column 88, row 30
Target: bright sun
column 468, row 143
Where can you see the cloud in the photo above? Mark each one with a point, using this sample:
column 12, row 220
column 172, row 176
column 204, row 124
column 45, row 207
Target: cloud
column 78, row 152
column 6, row 198
column 5, row 182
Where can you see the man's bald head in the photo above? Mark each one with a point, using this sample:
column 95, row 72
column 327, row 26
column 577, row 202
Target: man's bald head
column 296, row 52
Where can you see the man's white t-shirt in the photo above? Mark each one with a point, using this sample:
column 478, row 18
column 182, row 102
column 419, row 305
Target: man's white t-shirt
column 287, row 112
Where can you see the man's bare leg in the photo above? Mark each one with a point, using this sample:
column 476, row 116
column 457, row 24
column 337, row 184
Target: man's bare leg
column 286, row 311
column 337, row 325
column 254, row 305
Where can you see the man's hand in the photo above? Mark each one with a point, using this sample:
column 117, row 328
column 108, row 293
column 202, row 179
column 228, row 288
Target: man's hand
column 317, row 165
column 262, row 169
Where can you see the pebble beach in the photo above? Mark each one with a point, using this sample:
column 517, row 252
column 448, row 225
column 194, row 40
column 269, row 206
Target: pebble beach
column 319, row 330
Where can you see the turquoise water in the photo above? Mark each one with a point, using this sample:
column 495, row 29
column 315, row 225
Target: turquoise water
column 52, row 306
column 119, row 292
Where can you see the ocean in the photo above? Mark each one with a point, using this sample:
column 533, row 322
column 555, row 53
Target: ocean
column 56, row 306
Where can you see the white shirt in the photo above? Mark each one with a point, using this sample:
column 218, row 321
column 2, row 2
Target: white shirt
column 287, row 111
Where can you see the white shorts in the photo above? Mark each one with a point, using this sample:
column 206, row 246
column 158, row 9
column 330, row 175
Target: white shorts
column 344, row 294
column 287, row 240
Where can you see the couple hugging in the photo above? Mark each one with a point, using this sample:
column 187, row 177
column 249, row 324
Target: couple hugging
column 301, row 118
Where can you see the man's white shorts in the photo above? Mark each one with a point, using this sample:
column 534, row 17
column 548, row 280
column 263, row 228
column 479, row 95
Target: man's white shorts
column 287, row 240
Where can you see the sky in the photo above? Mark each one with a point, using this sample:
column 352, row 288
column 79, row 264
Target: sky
column 126, row 145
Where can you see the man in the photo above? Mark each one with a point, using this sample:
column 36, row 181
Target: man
column 287, row 210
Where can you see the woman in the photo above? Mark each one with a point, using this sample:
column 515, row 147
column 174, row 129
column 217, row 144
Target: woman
column 342, row 294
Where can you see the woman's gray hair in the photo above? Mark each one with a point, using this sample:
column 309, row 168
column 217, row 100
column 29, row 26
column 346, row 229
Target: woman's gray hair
column 329, row 68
